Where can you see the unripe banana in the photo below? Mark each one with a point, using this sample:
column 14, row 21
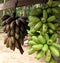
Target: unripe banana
column 55, row 51
column 52, row 26
column 56, row 45
column 49, row 11
column 50, row 2
column 40, row 54
column 45, row 14
column 33, row 19
column 49, row 42
column 51, row 19
column 41, row 39
column 43, row 20
column 31, row 42
column 54, row 37
column 35, row 39
column 44, row 28
column 45, row 48
column 55, row 11
column 35, row 12
column 31, row 24
column 31, row 51
column 30, row 33
column 53, row 60
column 55, row 4
column 37, row 26
column 46, row 36
column 48, row 56
column 51, row 31
column 37, row 47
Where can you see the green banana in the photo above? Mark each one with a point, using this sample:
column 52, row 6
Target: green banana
column 52, row 26
column 31, row 51
column 33, row 19
column 43, row 23
column 48, row 56
column 51, row 31
column 41, row 39
column 49, row 10
column 31, row 24
column 40, row 55
column 51, row 19
column 45, row 48
column 54, row 37
column 46, row 36
column 55, row 51
column 56, row 45
column 41, row 31
column 55, row 11
column 45, row 6
column 55, row 4
column 32, row 30
column 45, row 14
column 35, row 12
column 44, row 28
column 31, row 42
column 30, row 33
column 50, row 2
column 37, row 47
column 53, row 60
column 37, row 26
column 49, row 42
column 34, row 38
column 43, row 20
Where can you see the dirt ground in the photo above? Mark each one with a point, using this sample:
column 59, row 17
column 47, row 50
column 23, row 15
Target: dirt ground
column 9, row 56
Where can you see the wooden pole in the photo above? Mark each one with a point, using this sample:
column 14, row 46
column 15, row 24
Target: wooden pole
column 4, row 10
column 24, row 11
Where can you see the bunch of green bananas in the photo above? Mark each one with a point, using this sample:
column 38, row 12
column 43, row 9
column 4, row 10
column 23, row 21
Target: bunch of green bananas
column 44, row 24
column 15, row 27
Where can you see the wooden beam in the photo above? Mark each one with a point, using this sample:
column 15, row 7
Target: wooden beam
column 11, row 4
column 7, row 5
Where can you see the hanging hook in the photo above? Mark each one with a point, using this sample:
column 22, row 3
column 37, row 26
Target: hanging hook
column 14, row 13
